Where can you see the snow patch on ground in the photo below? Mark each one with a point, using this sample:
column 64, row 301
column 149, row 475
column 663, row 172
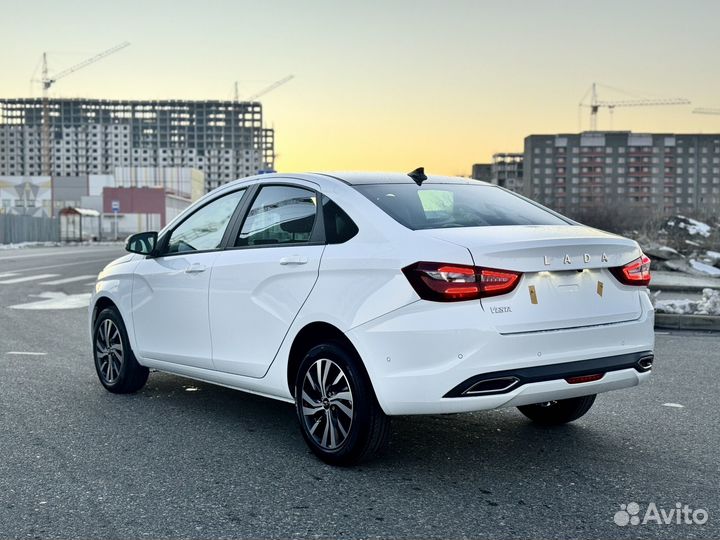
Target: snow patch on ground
column 693, row 226
column 22, row 245
column 704, row 268
column 709, row 304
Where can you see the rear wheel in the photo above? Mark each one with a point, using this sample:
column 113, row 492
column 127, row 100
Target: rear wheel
column 339, row 415
column 558, row 412
column 115, row 363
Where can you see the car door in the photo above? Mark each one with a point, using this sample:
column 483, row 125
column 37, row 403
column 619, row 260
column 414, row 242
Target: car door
column 170, row 291
column 258, row 286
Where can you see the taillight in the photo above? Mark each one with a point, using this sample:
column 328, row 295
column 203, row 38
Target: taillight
column 584, row 378
column 443, row 282
column 635, row 272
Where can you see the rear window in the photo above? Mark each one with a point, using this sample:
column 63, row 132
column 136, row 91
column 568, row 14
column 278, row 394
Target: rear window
column 439, row 206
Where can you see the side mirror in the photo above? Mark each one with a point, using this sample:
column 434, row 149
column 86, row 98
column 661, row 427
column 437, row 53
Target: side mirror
column 143, row 243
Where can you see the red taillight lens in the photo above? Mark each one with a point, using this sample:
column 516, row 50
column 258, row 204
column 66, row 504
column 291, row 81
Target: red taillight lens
column 443, row 282
column 496, row 282
column 636, row 272
column 585, row 378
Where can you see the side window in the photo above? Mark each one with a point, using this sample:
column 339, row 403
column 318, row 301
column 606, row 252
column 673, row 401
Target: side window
column 339, row 227
column 279, row 215
column 204, row 229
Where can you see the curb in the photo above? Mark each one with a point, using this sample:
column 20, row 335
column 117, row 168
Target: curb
column 684, row 288
column 687, row 322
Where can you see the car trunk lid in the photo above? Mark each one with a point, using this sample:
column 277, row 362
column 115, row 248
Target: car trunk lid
column 565, row 283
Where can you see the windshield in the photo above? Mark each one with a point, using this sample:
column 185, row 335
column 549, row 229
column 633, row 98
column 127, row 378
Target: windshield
column 437, row 206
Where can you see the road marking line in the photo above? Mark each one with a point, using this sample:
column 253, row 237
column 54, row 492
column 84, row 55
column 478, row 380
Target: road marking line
column 26, row 353
column 27, row 278
column 674, row 405
column 7, row 274
column 66, row 280
column 56, row 300
column 64, row 252
column 87, row 261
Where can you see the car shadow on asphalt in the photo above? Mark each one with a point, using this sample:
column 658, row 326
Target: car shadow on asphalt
column 503, row 440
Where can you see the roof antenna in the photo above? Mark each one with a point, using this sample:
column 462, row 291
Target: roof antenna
column 418, row 175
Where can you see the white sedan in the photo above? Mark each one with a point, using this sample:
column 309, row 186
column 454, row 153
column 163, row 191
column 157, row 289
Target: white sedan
column 359, row 296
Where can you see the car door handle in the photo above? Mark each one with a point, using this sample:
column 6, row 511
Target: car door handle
column 195, row 268
column 293, row 259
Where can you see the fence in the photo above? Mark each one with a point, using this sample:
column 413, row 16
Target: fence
column 19, row 228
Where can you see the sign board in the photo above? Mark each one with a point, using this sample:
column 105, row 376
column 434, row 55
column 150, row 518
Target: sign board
column 115, row 206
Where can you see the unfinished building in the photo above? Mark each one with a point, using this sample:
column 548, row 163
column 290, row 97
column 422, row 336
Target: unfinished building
column 224, row 139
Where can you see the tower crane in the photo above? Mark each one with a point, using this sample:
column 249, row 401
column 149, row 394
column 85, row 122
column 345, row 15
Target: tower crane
column 270, row 88
column 47, row 82
column 706, row 110
column 595, row 104
column 269, row 157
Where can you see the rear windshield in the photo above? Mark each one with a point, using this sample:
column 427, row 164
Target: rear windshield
column 439, row 206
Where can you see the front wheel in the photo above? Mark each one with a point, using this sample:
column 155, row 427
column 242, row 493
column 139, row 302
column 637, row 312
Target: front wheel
column 115, row 363
column 553, row 413
column 339, row 416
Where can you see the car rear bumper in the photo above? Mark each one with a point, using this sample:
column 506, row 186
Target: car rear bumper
column 424, row 357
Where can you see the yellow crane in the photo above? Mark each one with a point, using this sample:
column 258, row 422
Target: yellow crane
column 595, row 104
column 47, row 81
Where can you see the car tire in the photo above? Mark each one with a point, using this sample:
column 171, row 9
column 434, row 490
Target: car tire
column 115, row 364
column 554, row 413
column 339, row 415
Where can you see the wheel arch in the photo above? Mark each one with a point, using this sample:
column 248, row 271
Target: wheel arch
column 313, row 334
column 101, row 303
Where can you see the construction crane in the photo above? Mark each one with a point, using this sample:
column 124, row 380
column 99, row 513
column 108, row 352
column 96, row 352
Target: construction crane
column 596, row 103
column 706, row 110
column 47, row 81
column 270, row 88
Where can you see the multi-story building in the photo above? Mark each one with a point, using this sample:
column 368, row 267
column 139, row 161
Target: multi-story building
column 223, row 139
column 656, row 173
column 482, row 171
column 45, row 196
column 507, row 170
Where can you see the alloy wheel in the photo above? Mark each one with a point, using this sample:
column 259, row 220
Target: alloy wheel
column 109, row 351
column 327, row 404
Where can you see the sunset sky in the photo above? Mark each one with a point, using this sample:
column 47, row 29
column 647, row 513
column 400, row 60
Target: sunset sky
column 384, row 85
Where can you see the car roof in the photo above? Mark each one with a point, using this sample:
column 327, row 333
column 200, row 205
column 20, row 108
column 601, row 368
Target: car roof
column 349, row 179
column 362, row 178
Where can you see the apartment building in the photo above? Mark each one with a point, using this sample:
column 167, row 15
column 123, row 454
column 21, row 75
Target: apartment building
column 482, row 171
column 657, row 173
column 223, row 139
column 507, row 170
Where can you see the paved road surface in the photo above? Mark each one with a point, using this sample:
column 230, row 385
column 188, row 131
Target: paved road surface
column 191, row 460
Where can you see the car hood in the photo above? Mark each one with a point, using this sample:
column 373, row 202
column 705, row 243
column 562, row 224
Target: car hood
column 125, row 258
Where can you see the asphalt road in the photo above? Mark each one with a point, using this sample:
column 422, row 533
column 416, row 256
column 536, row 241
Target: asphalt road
column 191, row 460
